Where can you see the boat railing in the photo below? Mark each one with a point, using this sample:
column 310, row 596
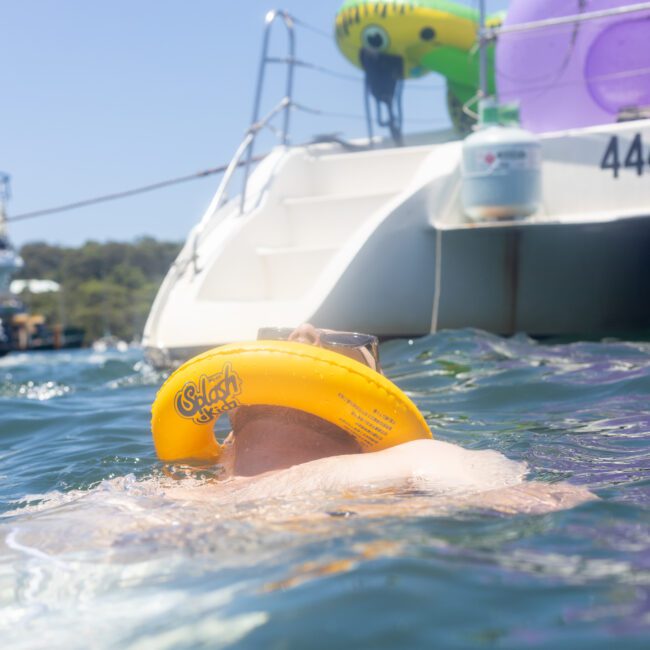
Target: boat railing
column 244, row 154
column 287, row 101
column 491, row 33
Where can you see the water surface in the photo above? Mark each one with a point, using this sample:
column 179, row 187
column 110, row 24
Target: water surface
column 94, row 554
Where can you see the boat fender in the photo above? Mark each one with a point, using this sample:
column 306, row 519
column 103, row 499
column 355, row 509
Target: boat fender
column 373, row 410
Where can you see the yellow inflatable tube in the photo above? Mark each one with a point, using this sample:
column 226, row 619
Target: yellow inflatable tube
column 338, row 389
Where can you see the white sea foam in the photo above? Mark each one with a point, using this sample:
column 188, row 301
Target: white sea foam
column 84, row 568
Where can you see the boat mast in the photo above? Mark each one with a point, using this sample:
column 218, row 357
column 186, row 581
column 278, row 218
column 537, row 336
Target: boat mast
column 4, row 197
column 483, row 42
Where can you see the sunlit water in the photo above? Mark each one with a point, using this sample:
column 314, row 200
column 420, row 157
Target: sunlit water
column 93, row 552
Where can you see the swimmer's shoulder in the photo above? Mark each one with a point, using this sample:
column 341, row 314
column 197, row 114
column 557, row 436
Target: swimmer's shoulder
column 444, row 465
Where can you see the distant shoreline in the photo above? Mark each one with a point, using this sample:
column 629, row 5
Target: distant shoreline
column 105, row 288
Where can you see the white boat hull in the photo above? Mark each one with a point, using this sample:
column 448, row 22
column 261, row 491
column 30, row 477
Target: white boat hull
column 376, row 241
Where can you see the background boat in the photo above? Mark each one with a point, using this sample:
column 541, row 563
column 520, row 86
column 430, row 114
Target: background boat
column 10, row 262
column 20, row 330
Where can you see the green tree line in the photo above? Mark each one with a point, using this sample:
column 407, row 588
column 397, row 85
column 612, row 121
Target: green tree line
column 106, row 288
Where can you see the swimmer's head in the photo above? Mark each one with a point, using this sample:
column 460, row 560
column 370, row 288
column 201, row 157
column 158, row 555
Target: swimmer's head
column 360, row 347
column 268, row 437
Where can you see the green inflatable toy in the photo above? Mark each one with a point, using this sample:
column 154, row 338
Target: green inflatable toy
column 393, row 41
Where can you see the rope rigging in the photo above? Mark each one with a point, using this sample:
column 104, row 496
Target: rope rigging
column 123, row 194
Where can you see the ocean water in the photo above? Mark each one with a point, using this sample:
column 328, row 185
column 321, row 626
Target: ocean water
column 94, row 553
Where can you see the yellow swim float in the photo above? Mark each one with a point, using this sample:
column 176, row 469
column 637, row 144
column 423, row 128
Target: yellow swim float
column 295, row 375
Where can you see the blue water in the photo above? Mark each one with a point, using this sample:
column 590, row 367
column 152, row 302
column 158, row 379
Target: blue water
column 94, row 553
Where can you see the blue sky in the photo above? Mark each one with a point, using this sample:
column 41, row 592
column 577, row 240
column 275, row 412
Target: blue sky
column 104, row 96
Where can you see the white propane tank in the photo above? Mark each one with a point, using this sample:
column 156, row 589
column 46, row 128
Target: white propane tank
column 501, row 168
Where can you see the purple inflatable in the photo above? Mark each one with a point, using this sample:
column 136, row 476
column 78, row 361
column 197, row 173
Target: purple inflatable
column 574, row 75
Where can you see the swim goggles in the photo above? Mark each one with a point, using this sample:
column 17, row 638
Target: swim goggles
column 360, row 347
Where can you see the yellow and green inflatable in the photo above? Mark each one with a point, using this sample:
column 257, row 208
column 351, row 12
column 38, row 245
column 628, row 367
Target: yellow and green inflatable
column 428, row 35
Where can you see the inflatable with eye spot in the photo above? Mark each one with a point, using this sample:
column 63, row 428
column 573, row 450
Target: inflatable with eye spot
column 417, row 38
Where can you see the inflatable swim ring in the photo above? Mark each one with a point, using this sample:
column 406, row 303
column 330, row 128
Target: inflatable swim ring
column 326, row 384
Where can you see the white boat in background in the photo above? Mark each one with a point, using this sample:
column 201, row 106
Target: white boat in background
column 10, row 263
column 375, row 239
column 109, row 343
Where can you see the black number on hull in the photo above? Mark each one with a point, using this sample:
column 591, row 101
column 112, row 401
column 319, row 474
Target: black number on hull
column 634, row 156
column 610, row 159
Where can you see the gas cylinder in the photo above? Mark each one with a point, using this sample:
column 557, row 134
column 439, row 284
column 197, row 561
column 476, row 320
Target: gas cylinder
column 501, row 167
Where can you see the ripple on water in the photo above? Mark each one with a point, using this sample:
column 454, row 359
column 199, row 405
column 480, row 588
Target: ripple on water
column 35, row 391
